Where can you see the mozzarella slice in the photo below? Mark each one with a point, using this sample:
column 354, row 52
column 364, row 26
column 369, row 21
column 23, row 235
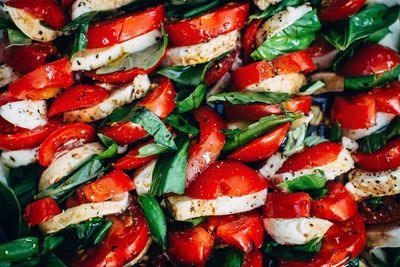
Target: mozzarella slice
column 4, row 173
column 349, row 144
column 364, row 184
column 85, row 212
column 280, row 21
column 7, row 75
column 285, row 83
column 91, row 59
column 264, row 4
column 333, row 82
column 67, row 163
column 384, row 236
column 184, row 208
column 272, row 165
column 81, row 7
column 18, row 158
column 26, row 114
column 118, row 98
column 382, row 119
column 31, row 25
column 296, row 231
column 143, row 178
column 203, row 52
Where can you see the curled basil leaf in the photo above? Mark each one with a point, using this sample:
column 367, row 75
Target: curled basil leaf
column 370, row 81
column 185, row 103
column 312, row 181
column 250, row 97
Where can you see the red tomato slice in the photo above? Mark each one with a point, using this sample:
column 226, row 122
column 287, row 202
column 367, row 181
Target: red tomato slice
column 252, row 74
column 6, row 97
column 191, row 247
column 248, row 39
column 67, row 137
column 253, row 259
column 78, row 97
column 124, row 132
column 387, row 98
column 362, row 109
column 110, row 185
column 41, row 210
column 263, row 147
column 298, row 61
column 387, row 212
column 26, row 58
column 57, row 74
column 17, row 139
column 384, row 159
column 205, row 27
column 371, row 59
column 210, row 144
column 319, row 47
column 254, row 112
column 219, row 69
column 126, row 239
column 311, row 157
column 287, row 206
column 339, row 9
column 226, row 178
column 338, row 205
column 130, row 161
column 116, row 31
column 46, row 10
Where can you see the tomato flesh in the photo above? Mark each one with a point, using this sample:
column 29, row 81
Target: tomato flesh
column 219, row 69
column 387, row 98
column 130, row 161
column 41, row 210
column 339, row 9
column 253, row 259
column 286, row 206
column 248, row 39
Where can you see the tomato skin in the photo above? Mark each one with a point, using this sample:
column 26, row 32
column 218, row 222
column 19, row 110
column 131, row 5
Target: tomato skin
column 339, row 9
column 387, row 98
column 248, row 39
column 116, row 31
column 384, row 159
column 57, row 74
column 47, row 10
column 298, row 61
column 124, row 132
column 338, row 205
column 78, row 97
column 26, row 58
column 225, row 178
column 68, row 135
column 287, row 206
column 358, row 112
column 263, row 147
column 210, row 144
column 130, row 162
column 253, row 259
column 219, row 69
column 210, row 25
column 191, row 247
column 371, row 59
column 19, row 138
column 318, row 155
column 41, row 210
column 254, row 112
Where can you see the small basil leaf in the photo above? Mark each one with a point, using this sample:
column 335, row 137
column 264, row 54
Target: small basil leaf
column 380, row 138
column 195, row 221
column 152, row 149
column 80, row 41
column 370, row 81
column 226, row 257
column 185, row 103
column 353, row 263
column 299, row 252
column 10, row 220
column 295, row 140
column 105, row 140
column 310, row 89
column 54, row 261
column 318, row 193
column 50, row 243
column 249, row 97
column 82, row 19
column 109, row 153
column 375, row 201
column 25, row 181
column 16, row 37
column 335, row 132
column 19, row 249
column 180, row 123
column 273, row 9
column 312, row 181
column 314, row 140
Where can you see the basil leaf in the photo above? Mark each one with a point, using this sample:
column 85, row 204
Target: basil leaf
column 195, row 221
column 375, row 201
column 185, row 103
column 54, row 261
column 10, row 209
column 353, row 263
column 335, row 132
column 16, row 37
column 201, row 9
column 237, row 98
column 25, row 181
column 19, row 249
column 82, row 19
column 155, row 219
column 180, row 123
column 152, row 149
column 299, row 252
column 188, row 9
column 50, row 243
column 6, row 23
column 295, row 140
column 273, row 9
column 237, row 138
column 314, row 140
column 310, row 89
column 169, row 175
column 144, row 59
column 312, row 181
column 370, row 81
column 380, row 138
column 80, row 41
column 109, row 153
column 226, row 257
column 318, row 193
column 297, row 36
column 105, row 140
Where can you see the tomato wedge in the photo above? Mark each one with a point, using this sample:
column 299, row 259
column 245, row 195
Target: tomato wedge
column 130, row 161
column 253, row 259
column 263, row 147
column 248, row 39
column 191, row 247
column 298, row 61
column 226, row 178
column 286, row 206
column 387, row 98
column 210, row 144
column 67, row 137
column 42, row 82
column 210, row 25
column 384, row 159
column 116, row 31
column 219, row 69
column 41, row 210
column 124, row 132
column 338, row 205
column 311, row 157
column 319, row 47
column 339, row 9
column 78, row 97
column 388, row 211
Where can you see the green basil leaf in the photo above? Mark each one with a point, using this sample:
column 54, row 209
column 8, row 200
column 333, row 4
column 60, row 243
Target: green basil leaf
column 312, row 246
column 375, row 201
column 6, row 23
column 105, row 140
column 202, row 9
column 169, row 175
column 312, row 181
column 155, row 218
column 236, row 98
column 295, row 140
column 80, row 41
column 54, row 261
column 226, row 257
column 299, row 253
column 185, row 103
column 314, row 140
column 16, row 37
column 196, row 221
column 82, row 19
column 353, row 263
column 190, row 8
column 19, row 249
column 297, row 36
column 318, row 193
column 10, row 220
column 109, row 153
column 273, row 9
column 50, row 243
column 310, row 89
column 237, row 138
column 335, row 132
column 370, row 81
column 25, row 181
column 379, row 139
column 180, row 123
column 152, row 149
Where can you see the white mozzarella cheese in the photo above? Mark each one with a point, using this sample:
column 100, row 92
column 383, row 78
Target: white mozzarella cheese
column 264, row 4
column 118, row 98
column 333, row 82
column 67, row 163
column 18, row 158
column 296, row 231
column 302, row 120
column 184, row 208
column 31, row 25
column 85, row 212
column 7, row 75
column 91, row 59
column 26, row 114
column 143, row 178
column 384, row 236
column 81, row 7
column 364, row 184
column 272, row 165
column 285, row 83
column 349, row 144
column 4, row 173
column 203, row 52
